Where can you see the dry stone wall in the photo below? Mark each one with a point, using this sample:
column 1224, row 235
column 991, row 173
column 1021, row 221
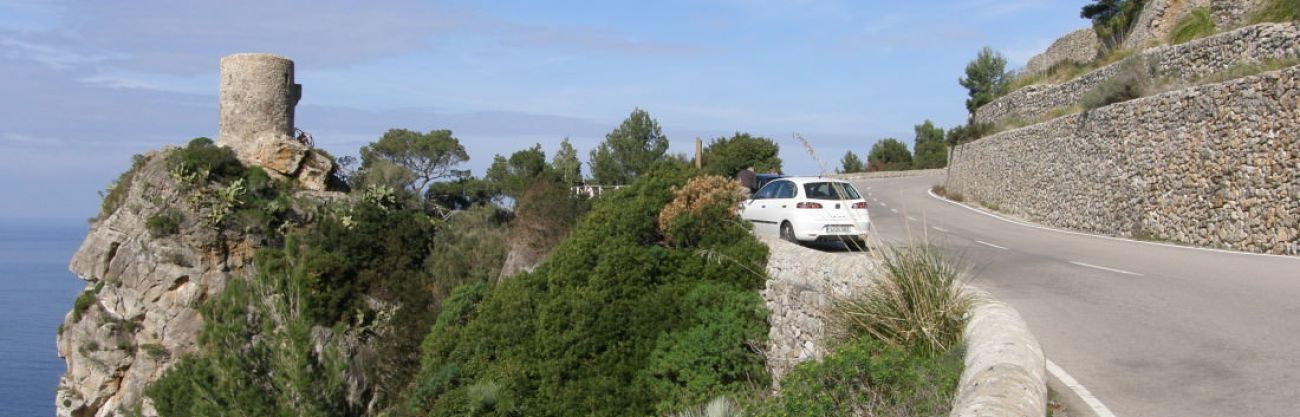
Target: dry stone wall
column 1184, row 62
column 1078, row 46
column 1158, row 19
column 1216, row 165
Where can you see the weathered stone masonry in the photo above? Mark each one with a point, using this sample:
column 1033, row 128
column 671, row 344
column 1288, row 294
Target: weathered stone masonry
column 1216, row 165
column 1184, row 62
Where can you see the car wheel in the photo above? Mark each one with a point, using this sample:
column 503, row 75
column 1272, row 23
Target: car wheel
column 787, row 231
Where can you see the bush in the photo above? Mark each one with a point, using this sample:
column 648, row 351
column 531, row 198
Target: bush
column 610, row 324
column 869, row 378
column 1277, row 11
column 113, row 197
column 699, row 208
column 84, row 301
column 164, row 223
column 919, row 305
column 1134, row 80
column 201, row 155
column 1195, row 24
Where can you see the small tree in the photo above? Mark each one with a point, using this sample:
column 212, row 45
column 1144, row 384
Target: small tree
column 889, row 154
column 567, row 166
column 513, row 176
column 628, row 151
column 850, row 163
column 727, row 156
column 1112, row 19
column 411, row 160
column 986, row 78
column 931, row 152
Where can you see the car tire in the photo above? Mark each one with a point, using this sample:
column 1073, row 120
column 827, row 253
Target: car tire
column 787, row 232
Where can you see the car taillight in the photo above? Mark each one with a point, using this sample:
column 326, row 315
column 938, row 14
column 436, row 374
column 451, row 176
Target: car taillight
column 808, row 204
column 860, row 205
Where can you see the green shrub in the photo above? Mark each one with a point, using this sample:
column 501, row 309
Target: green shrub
column 610, row 324
column 1133, row 80
column 1196, row 24
column 1277, row 11
column 84, row 301
column 918, row 305
column 867, row 377
column 1246, row 69
column 201, row 155
column 164, row 223
column 113, row 197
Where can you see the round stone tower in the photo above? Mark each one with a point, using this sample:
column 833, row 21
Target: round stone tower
column 257, row 96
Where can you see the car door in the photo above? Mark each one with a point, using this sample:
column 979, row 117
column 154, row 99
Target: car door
column 782, row 201
column 756, row 209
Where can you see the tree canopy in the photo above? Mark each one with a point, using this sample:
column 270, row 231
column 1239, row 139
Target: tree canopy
column 411, row 160
column 515, row 174
column 567, row 167
column 727, row 156
column 628, row 151
column 850, row 163
column 986, row 78
column 1112, row 19
column 889, row 154
column 931, row 150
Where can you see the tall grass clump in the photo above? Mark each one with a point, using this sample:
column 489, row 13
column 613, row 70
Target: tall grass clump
column 919, row 303
column 1196, row 24
column 1134, row 80
column 1277, row 11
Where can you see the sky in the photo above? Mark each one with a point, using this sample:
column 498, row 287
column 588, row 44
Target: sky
column 85, row 85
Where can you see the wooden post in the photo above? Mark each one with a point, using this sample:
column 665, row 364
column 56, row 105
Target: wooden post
column 699, row 153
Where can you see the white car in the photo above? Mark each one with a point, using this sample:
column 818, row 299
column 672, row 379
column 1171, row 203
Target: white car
column 809, row 209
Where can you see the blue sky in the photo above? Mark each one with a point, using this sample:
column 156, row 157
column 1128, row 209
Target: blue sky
column 84, row 85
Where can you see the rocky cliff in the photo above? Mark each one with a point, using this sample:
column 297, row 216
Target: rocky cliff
column 139, row 313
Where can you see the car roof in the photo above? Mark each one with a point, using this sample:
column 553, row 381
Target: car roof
column 805, row 180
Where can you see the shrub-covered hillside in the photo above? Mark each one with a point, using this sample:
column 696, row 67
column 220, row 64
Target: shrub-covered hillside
column 615, row 322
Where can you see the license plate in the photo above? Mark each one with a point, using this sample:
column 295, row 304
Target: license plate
column 839, row 229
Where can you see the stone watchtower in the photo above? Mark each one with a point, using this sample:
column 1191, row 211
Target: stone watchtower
column 258, row 96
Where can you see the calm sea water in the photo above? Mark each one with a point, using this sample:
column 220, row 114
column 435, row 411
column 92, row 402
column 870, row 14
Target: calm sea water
column 36, row 290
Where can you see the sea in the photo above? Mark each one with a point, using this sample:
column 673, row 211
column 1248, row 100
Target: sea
column 36, row 290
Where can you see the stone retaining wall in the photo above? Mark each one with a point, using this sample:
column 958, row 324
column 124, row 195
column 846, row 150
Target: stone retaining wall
column 1184, row 62
column 1216, row 165
column 1079, row 46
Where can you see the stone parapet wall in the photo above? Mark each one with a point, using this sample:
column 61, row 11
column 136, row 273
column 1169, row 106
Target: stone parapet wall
column 1005, row 370
column 891, row 174
column 1184, row 62
column 1232, row 13
column 1079, row 46
column 1216, row 165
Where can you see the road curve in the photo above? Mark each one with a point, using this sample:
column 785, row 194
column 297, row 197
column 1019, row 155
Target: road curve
column 1150, row 330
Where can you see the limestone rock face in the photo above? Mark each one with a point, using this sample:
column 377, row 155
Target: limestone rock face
column 313, row 173
column 139, row 313
column 275, row 152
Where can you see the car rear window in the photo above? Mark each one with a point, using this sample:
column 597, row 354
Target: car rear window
column 830, row 191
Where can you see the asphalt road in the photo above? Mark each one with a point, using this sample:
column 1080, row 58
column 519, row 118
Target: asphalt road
column 1150, row 330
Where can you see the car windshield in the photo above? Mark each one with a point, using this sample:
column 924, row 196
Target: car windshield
column 830, row 191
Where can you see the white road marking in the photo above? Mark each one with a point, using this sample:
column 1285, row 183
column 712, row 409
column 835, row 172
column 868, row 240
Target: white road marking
column 884, row 205
column 990, row 245
column 1090, row 400
column 874, row 199
column 1106, row 269
column 939, row 229
column 911, row 218
column 894, row 210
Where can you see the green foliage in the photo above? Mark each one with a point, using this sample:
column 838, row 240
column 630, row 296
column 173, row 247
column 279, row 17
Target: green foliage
column 113, row 197
column 1194, row 25
column 568, row 169
column 850, row 163
column 545, row 215
column 461, row 193
column 931, row 150
column 629, row 151
column 211, row 162
column 1276, row 11
column 470, row 248
column 85, row 300
column 986, row 78
column 256, row 354
column 869, row 378
column 889, row 154
column 727, row 156
column 164, row 223
column 920, row 305
column 410, row 160
column 513, row 176
column 1246, row 69
column 608, row 325
column 1134, row 80
column 1112, row 19
column 969, row 132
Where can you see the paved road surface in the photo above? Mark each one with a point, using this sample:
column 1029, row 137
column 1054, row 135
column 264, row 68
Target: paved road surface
column 1151, row 330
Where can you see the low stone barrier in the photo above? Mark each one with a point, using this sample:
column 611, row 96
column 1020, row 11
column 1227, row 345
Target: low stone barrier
column 1004, row 365
column 891, row 174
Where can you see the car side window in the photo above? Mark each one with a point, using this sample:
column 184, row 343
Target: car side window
column 786, row 190
column 767, row 191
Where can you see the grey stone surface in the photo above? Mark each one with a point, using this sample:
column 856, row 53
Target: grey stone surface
column 1183, row 63
column 1215, row 165
column 1079, row 46
column 1157, row 21
column 1005, row 373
